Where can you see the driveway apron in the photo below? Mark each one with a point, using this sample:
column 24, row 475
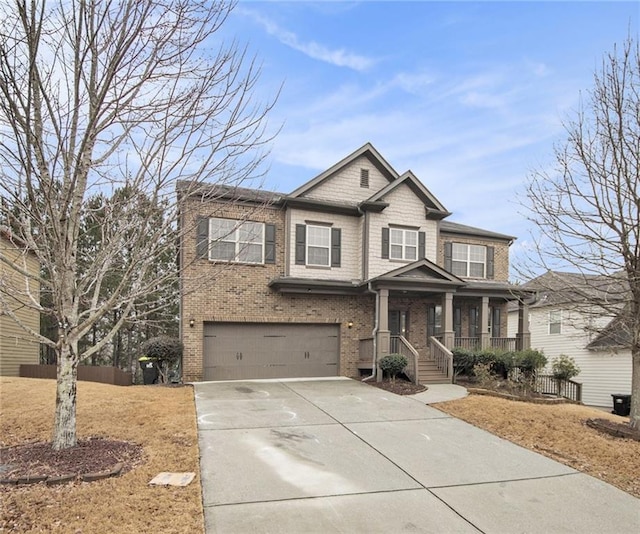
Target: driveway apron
column 337, row 455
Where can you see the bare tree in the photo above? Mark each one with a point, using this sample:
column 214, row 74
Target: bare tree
column 587, row 207
column 99, row 96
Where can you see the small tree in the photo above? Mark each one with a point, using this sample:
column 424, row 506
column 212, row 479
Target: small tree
column 393, row 364
column 166, row 350
column 563, row 368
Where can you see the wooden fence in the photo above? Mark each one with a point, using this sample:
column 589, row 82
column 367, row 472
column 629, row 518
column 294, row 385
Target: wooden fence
column 90, row 373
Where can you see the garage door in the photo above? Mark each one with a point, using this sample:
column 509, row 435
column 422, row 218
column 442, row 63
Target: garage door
column 236, row 351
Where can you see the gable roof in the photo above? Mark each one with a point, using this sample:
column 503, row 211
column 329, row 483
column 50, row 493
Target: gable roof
column 557, row 288
column 367, row 150
column 450, row 227
column 421, row 271
column 434, row 207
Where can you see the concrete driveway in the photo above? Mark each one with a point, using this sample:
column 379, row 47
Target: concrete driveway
column 336, row 455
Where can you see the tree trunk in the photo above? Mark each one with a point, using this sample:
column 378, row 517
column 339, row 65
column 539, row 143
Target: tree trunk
column 634, row 416
column 64, row 428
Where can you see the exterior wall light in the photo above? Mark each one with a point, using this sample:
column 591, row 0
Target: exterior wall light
column 192, row 323
column 350, row 324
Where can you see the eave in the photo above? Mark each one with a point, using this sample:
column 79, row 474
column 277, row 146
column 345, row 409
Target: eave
column 309, row 286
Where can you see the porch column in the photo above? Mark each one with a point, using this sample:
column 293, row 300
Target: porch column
column 448, row 334
column 383, row 337
column 523, row 336
column 485, row 340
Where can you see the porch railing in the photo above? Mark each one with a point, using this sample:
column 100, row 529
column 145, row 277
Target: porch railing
column 399, row 345
column 504, row 343
column 569, row 389
column 473, row 343
column 442, row 357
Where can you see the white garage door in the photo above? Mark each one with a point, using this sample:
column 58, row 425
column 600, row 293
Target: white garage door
column 236, row 351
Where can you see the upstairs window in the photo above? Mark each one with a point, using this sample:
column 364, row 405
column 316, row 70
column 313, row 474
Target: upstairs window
column 317, row 245
column 364, row 178
column 469, row 261
column 403, row 244
column 555, row 322
column 233, row 240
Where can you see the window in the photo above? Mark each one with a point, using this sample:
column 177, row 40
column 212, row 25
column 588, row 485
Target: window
column 364, row 178
column 403, row 244
column 555, row 322
column 233, row 240
column 318, row 245
column 468, row 260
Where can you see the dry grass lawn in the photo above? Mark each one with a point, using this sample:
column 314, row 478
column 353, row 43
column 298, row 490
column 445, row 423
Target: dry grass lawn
column 161, row 419
column 557, row 431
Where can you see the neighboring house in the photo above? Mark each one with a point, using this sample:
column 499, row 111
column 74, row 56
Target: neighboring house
column 16, row 346
column 560, row 322
column 355, row 264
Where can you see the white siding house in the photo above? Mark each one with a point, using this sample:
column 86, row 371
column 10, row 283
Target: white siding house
column 559, row 329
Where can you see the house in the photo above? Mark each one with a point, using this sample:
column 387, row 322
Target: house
column 564, row 318
column 357, row 263
column 16, row 346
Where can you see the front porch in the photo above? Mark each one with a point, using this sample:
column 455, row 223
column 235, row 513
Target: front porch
column 425, row 323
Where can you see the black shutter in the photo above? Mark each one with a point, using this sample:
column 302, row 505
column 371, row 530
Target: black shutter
column 495, row 330
column 202, row 238
column 421, row 245
column 336, row 237
column 301, row 232
column 385, row 243
column 447, row 256
column 490, row 263
column 269, row 243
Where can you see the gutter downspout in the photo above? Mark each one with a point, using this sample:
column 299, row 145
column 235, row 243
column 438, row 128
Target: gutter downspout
column 374, row 367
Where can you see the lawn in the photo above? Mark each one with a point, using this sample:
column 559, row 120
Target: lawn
column 160, row 419
column 557, row 431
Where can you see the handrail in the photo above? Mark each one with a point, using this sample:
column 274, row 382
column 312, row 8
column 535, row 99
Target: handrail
column 402, row 346
column 442, row 356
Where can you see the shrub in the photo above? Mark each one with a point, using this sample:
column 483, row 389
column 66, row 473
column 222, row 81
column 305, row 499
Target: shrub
column 504, row 363
column 393, row 364
column 166, row 350
column 463, row 361
column 529, row 361
column 564, row 367
column 484, row 377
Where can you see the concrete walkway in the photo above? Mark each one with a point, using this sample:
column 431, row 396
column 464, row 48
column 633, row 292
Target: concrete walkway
column 336, row 455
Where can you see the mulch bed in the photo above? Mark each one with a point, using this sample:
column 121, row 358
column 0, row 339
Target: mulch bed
column 618, row 430
column 91, row 459
column 400, row 387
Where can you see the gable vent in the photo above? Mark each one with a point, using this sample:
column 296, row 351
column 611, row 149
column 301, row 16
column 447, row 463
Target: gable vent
column 364, row 178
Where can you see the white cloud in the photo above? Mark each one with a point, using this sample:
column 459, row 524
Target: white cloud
column 338, row 57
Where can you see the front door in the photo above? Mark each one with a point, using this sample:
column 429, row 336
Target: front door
column 398, row 326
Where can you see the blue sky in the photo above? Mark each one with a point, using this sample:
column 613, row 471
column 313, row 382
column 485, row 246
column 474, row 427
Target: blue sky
column 470, row 96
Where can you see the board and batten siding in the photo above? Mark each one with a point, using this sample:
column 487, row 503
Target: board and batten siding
column 344, row 186
column 350, row 248
column 602, row 373
column 16, row 346
column 405, row 209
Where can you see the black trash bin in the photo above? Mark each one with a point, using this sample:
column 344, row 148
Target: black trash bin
column 621, row 404
column 149, row 370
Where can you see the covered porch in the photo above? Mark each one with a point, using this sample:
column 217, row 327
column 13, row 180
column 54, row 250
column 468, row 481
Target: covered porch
column 423, row 312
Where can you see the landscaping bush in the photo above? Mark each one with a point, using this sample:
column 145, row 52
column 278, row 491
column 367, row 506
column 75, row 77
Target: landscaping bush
column 393, row 364
column 463, row 361
column 563, row 368
column 504, row 363
column 166, row 350
column 529, row 361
